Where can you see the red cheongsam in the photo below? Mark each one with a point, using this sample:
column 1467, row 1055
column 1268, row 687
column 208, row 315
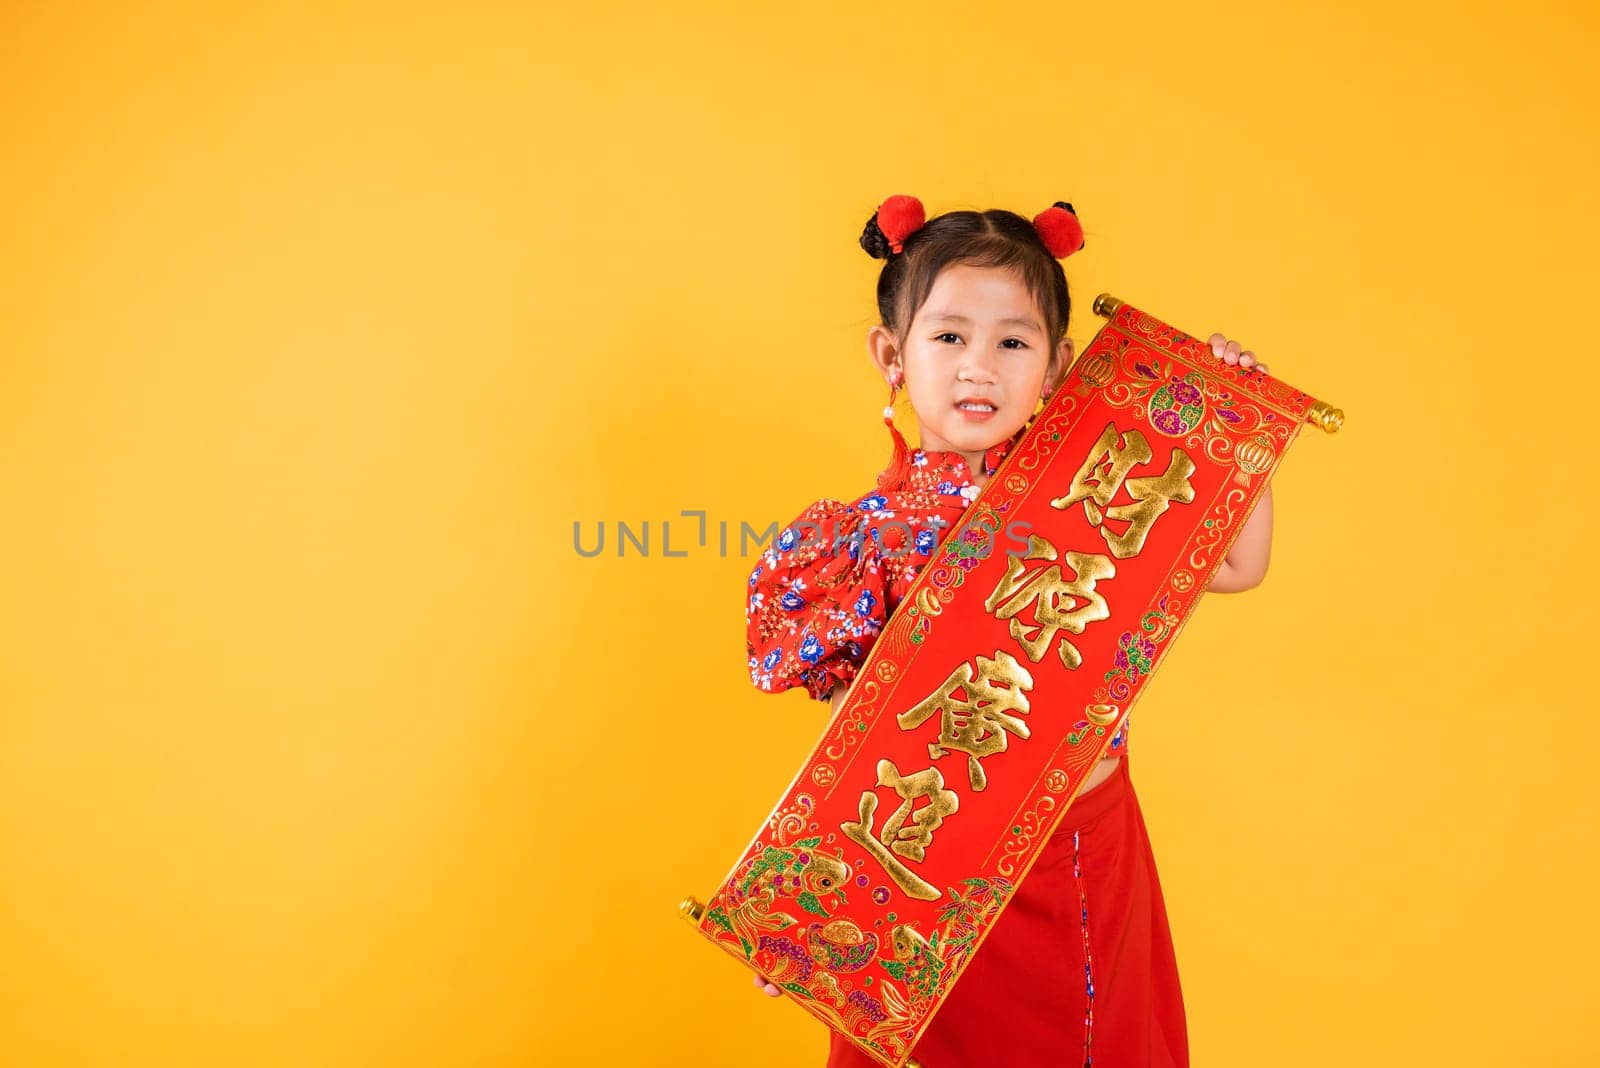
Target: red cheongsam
column 1079, row 968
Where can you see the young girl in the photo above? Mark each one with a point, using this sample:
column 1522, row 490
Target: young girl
column 1079, row 965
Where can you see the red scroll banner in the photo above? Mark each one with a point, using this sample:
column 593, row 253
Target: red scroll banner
column 999, row 681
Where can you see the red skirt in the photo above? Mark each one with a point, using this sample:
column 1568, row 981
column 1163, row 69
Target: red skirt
column 1079, row 968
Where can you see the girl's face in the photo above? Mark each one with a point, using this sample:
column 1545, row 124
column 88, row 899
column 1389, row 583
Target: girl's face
column 975, row 362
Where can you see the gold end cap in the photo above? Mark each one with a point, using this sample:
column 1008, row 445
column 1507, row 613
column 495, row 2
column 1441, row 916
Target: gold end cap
column 1106, row 305
column 691, row 909
column 1326, row 416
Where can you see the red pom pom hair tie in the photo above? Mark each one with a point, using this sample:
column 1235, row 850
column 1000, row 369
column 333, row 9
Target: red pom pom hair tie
column 899, row 217
column 1059, row 229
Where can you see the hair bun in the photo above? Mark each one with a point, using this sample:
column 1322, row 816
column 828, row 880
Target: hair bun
column 1059, row 229
column 873, row 241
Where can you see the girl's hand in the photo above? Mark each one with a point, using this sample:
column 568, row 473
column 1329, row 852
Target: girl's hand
column 1231, row 353
column 766, row 986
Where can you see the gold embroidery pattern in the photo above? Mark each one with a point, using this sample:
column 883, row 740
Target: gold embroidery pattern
column 1216, row 527
column 1029, row 825
column 791, row 820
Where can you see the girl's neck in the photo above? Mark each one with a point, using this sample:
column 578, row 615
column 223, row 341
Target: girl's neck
column 980, row 477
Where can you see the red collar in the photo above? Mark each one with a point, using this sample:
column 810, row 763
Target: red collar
column 934, row 467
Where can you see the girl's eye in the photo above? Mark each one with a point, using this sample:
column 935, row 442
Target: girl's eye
column 1019, row 341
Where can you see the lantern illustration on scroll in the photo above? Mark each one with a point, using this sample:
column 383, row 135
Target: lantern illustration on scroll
column 1096, row 371
column 1252, row 457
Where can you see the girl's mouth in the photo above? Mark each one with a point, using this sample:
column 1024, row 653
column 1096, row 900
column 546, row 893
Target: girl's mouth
column 976, row 411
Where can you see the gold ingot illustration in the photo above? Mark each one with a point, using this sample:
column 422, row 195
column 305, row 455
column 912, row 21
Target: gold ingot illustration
column 841, row 946
column 1102, row 715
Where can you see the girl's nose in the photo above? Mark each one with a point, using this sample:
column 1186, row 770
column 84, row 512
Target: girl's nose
column 977, row 365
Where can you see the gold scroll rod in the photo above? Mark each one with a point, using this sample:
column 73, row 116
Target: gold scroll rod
column 692, row 909
column 1320, row 414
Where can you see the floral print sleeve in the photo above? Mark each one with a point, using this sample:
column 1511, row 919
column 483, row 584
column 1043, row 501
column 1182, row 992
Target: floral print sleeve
column 817, row 599
column 822, row 592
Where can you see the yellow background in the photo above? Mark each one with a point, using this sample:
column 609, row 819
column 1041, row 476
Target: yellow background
column 321, row 326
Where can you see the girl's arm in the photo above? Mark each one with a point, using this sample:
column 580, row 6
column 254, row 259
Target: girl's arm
column 1246, row 563
column 838, row 696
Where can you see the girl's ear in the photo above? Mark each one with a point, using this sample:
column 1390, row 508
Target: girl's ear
column 885, row 353
column 1059, row 364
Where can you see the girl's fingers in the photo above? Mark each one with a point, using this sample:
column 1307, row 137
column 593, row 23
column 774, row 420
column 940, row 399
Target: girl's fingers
column 766, row 987
column 1248, row 361
column 1232, row 353
column 1223, row 349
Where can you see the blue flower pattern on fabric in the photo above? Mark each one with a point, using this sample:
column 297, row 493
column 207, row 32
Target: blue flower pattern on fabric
column 811, row 649
column 865, row 603
column 792, row 601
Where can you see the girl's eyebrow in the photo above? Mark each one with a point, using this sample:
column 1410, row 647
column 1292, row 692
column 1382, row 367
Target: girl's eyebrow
column 1015, row 320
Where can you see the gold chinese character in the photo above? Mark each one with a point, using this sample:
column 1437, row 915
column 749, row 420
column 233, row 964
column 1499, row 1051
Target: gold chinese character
column 909, row 841
column 1103, row 473
column 1050, row 594
column 976, row 710
column 1097, row 480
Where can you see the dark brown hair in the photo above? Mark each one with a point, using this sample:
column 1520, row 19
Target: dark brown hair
column 994, row 238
